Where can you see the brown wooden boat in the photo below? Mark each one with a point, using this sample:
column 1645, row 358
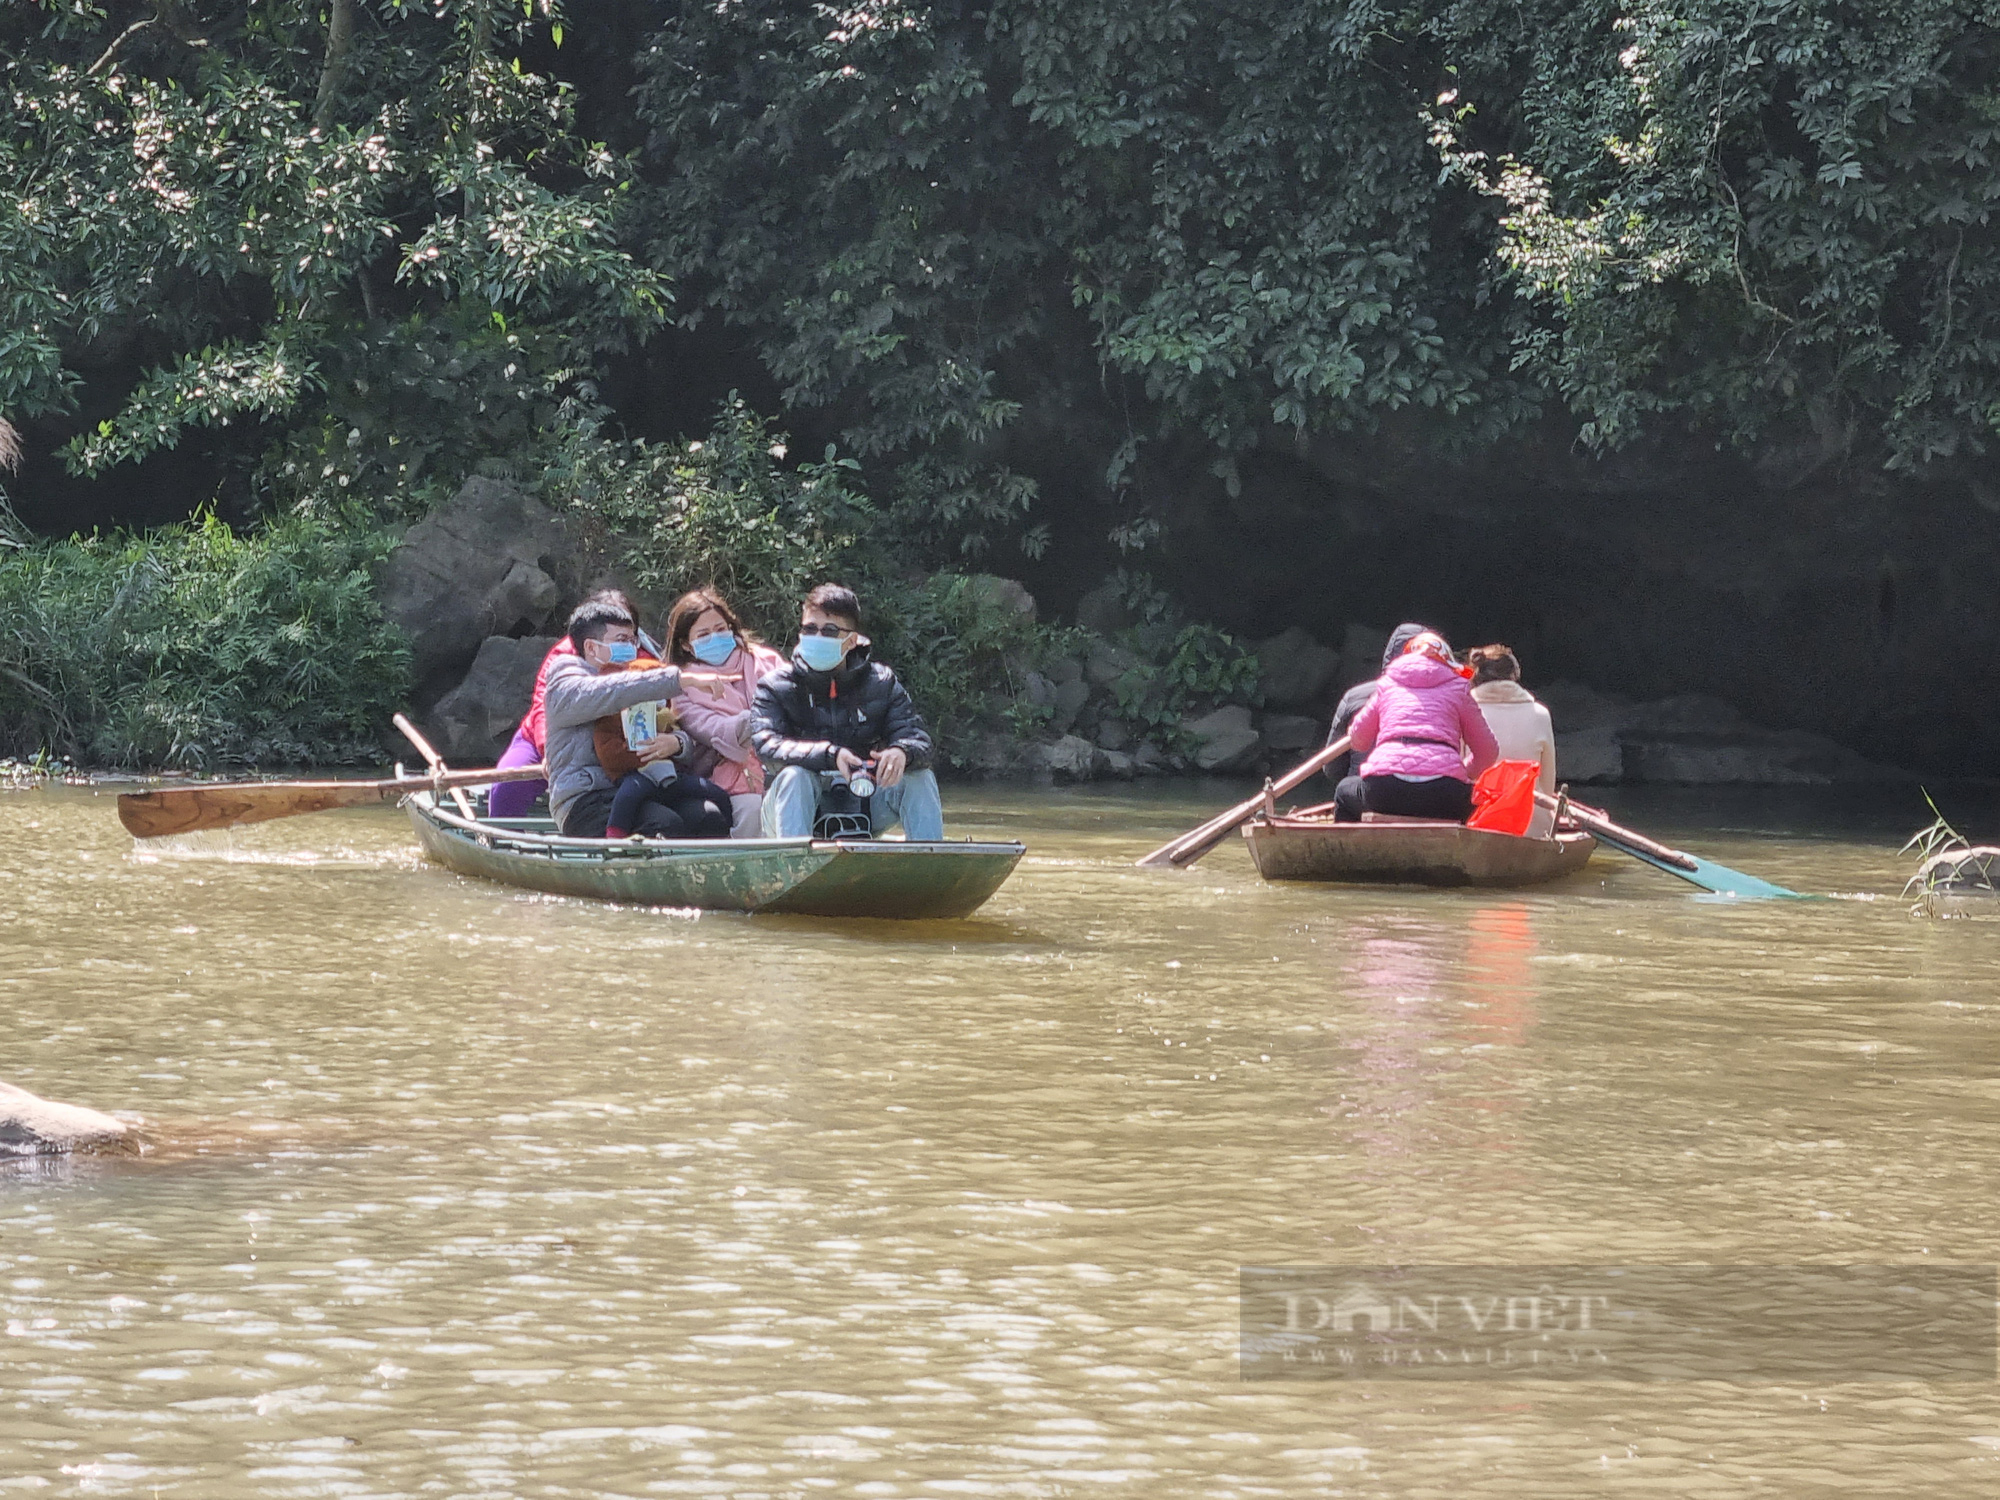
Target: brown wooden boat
column 1309, row 845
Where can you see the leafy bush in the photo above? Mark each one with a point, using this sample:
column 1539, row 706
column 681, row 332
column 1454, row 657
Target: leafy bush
column 196, row 646
column 1184, row 667
column 728, row 511
column 722, row 511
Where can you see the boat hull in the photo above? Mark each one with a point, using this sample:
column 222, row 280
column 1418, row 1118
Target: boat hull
column 1442, row 854
column 805, row 877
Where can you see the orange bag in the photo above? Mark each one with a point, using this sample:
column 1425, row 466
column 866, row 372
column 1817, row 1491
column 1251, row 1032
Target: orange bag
column 1503, row 799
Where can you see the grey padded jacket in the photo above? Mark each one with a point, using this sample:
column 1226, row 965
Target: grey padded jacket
column 575, row 697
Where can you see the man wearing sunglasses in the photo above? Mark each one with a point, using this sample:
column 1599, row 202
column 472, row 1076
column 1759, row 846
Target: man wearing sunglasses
column 834, row 713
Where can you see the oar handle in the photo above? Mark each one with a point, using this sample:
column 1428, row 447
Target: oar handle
column 1593, row 820
column 1193, row 844
column 415, row 737
column 439, row 771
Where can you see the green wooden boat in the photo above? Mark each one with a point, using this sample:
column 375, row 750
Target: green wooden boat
column 806, row 877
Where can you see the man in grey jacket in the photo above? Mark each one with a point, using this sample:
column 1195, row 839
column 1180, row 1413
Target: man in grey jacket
column 582, row 689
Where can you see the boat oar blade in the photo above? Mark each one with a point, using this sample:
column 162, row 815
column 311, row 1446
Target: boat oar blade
column 1692, row 868
column 168, row 810
column 1705, row 873
column 196, row 809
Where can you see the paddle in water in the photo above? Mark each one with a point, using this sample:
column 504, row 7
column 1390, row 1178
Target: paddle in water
column 1705, row 873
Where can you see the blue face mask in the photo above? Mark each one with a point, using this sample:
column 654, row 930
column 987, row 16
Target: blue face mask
column 714, row 650
column 820, row 652
column 623, row 653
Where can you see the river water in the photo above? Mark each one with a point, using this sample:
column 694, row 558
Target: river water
column 458, row 1191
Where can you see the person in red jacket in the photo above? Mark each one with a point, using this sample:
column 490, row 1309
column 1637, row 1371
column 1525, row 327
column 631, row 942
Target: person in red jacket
column 1421, row 741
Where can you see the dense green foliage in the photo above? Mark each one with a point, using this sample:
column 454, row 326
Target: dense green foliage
column 197, row 647
column 380, row 253
column 354, row 250
column 730, row 511
column 1769, row 221
column 1777, row 220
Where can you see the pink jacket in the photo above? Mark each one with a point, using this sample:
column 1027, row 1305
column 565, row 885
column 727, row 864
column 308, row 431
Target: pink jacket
column 723, row 724
column 1418, row 719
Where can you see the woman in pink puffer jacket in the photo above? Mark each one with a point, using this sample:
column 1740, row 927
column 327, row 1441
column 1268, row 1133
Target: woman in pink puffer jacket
column 1420, row 741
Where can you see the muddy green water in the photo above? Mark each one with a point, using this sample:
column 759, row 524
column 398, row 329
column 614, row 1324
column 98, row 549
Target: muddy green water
column 462, row 1192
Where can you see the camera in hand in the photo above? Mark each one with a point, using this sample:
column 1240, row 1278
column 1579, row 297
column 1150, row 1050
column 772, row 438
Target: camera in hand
column 845, row 811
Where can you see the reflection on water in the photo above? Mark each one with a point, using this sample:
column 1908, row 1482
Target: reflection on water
column 464, row 1191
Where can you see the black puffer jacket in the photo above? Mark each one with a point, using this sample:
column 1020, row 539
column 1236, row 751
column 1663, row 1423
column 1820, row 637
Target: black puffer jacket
column 801, row 716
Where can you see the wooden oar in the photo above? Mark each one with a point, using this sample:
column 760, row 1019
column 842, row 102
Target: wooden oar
column 230, row 804
column 434, row 761
column 1193, row 844
column 1705, row 873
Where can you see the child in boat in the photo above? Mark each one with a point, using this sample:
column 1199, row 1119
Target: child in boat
column 583, row 687
column 699, row 807
column 1421, row 741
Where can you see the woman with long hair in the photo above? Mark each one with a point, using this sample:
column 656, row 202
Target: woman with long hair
column 703, row 630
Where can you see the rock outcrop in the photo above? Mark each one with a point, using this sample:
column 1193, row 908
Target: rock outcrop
column 1960, row 883
column 1005, row 596
column 491, row 561
column 1296, row 671
column 1693, row 740
column 1071, row 758
column 1225, row 740
column 474, row 722
column 32, row 1126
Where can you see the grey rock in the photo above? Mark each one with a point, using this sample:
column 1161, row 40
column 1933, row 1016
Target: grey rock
column 994, row 753
column 1226, row 740
column 474, row 722
column 1296, row 670
column 1065, row 669
column 1040, row 691
column 1762, row 757
column 1593, row 755
column 1691, row 739
column 1070, row 698
column 1070, row 758
column 1575, row 707
column 1695, row 713
column 1293, row 731
column 1960, row 883
column 1150, row 760
column 1361, row 648
column 1103, row 611
column 1114, row 734
column 1107, row 663
column 1117, row 763
column 32, row 1126
column 1002, row 595
column 491, row 561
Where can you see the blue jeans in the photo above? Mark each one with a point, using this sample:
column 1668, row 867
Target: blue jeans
column 791, row 802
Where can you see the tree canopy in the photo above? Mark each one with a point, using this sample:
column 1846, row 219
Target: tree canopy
column 364, row 246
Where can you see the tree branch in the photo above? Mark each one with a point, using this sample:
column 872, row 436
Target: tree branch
column 110, row 54
column 339, row 43
column 166, row 13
